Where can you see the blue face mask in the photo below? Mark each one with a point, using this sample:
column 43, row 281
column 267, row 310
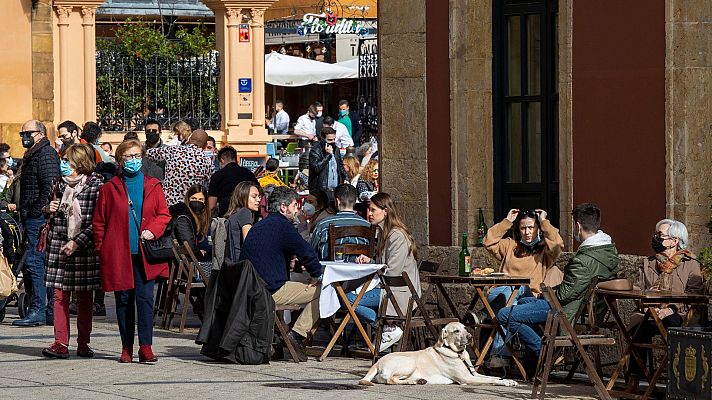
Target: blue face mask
column 208, row 153
column 64, row 168
column 133, row 165
column 343, row 113
column 10, row 162
column 532, row 243
column 577, row 235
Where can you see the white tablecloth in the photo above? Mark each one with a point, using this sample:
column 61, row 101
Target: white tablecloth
column 340, row 272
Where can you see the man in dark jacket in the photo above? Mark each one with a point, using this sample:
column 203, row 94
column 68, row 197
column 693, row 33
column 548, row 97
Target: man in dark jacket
column 270, row 246
column 596, row 257
column 40, row 169
column 326, row 169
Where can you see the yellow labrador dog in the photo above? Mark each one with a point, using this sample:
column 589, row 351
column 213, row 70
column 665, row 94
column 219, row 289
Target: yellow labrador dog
column 446, row 362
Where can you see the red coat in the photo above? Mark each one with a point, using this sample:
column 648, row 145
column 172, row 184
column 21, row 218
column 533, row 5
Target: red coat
column 111, row 231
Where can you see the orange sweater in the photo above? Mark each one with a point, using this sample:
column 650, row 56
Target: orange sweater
column 538, row 266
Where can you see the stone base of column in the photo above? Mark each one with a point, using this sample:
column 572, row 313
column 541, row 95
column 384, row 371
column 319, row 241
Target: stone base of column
column 247, row 140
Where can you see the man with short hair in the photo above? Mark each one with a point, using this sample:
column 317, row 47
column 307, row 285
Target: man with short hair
column 270, row 176
column 186, row 165
column 68, row 133
column 90, row 135
column 270, row 246
column 280, row 122
column 40, row 169
column 306, row 124
column 343, row 139
column 596, row 257
column 223, row 182
column 319, row 120
column 152, row 129
column 326, row 169
column 345, row 195
column 211, row 151
column 351, row 120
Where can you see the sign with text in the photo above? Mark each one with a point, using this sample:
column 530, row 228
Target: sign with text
column 252, row 161
column 328, row 23
column 347, row 46
column 244, row 33
column 244, row 85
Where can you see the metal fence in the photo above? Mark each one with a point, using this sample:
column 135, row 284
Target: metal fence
column 368, row 86
column 131, row 89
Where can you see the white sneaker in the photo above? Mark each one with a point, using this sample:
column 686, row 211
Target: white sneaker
column 390, row 338
column 497, row 362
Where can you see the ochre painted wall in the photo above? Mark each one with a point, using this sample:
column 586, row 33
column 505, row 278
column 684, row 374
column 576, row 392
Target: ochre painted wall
column 619, row 116
column 15, row 71
column 75, row 60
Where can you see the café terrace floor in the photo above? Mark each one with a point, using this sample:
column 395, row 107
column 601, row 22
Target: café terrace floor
column 182, row 373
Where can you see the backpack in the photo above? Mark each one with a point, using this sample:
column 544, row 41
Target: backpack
column 219, row 228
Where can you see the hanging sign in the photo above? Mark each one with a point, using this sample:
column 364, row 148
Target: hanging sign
column 328, row 22
column 244, row 33
column 244, row 85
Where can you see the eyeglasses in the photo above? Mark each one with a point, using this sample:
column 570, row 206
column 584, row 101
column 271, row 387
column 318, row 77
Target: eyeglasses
column 661, row 236
column 136, row 156
column 375, row 170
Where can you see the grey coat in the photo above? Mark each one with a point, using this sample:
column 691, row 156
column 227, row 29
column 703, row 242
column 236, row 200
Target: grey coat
column 398, row 258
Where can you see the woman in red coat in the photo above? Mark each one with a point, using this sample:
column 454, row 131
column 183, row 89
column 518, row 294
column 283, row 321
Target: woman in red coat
column 124, row 269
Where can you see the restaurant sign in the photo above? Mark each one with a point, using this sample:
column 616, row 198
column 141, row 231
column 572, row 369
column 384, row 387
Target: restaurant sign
column 328, row 23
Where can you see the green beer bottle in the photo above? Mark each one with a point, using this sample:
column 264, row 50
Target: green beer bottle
column 464, row 257
column 481, row 229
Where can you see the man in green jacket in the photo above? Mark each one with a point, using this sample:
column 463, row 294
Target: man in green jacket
column 596, row 257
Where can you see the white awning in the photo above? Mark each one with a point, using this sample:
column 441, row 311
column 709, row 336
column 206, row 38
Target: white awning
column 284, row 70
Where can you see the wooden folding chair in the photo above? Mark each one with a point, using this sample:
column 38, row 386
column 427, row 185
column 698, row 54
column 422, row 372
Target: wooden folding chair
column 410, row 319
column 183, row 282
column 556, row 319
column 283, row 329
column 339, row 233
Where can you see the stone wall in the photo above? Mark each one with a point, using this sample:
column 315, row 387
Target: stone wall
column 42, row 62
column 688, row 119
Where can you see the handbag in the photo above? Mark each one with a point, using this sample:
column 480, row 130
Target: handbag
column 156, row 251
column 8, row 283
column 47, row 226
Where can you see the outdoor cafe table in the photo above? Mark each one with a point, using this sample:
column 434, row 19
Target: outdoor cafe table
column 481, row 283
column 649, row 299
column 335, row 274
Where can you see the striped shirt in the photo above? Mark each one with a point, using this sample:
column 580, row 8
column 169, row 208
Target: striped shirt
column 320, row 235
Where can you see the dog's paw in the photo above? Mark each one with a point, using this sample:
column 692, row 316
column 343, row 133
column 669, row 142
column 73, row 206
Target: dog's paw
column 421, row 381
column 364, row 382
column 507, row 382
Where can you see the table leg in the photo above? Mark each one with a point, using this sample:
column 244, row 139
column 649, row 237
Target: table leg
column 448, row 301
column 351, row 314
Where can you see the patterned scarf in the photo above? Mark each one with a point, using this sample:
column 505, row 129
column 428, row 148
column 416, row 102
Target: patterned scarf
column 70, row 204
column 668, row 264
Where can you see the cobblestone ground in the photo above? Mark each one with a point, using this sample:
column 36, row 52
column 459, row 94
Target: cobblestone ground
column 182, row 373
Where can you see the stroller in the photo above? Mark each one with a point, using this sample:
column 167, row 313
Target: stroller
column 12, row 250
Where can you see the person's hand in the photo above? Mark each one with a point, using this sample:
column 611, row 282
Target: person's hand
column 512, row 215
column 313, row 137
column 363, row 259
column 664, row 312
column 541, row 213
column 69, row 248
column 147, row 235
column 12, row 207
column 329, row 149
column 53, row 206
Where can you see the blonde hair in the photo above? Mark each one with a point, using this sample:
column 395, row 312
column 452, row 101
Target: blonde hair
column 367, row 173
column 182, row 129
column 81, row 157
column 125, row 146
column 354, row 166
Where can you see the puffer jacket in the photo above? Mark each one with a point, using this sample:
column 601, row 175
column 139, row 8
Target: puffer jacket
column 588, row 262
column 40, row 168
column 319, row 166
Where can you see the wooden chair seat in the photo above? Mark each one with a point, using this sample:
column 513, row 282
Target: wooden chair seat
column 586, row 340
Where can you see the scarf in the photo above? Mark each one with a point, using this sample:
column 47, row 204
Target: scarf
column 668, row 264
column 70, row 203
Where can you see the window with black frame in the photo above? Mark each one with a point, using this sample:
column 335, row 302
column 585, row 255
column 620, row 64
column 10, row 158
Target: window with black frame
column 525, row 106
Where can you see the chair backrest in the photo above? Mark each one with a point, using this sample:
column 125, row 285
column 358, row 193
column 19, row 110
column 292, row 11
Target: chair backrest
column 341, row 232
column 291, row 147
column 389, row 282
column 187, row 257
column 428, row 266
column 270, row 149
column 586, row 308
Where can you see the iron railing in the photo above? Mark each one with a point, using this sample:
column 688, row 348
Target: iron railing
column 131, row 89
column 368, row 87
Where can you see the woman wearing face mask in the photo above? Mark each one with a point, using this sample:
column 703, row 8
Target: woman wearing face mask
column 244, row 205
column 131, row 207
column 397, row 249
column 532, row 252
column 191, row 220
column 319, row 201
column 672, row 268
column 72, row 263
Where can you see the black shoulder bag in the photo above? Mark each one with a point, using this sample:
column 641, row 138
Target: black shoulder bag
column 159, row 250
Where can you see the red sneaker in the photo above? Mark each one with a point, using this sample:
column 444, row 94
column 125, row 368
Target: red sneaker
column 56, row 350
column 145, row 354
column 126, row 354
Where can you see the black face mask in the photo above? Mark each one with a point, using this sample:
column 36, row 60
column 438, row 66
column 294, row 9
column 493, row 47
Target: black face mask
column 153, row 137
column 196, row 206
column 657, row 244
column 27, row 140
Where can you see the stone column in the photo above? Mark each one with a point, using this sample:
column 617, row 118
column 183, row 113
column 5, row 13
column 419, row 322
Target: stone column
column 63, row 13
column 88, row 14
column 258, row 69
column 234, row 17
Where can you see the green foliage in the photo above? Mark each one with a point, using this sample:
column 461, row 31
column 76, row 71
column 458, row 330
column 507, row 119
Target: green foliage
column 141, row 40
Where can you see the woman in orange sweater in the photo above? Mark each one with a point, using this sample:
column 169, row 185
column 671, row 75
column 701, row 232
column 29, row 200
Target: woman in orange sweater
column 531, row 251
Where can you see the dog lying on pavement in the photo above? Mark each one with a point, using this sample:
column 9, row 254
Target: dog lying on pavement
column 444, row 363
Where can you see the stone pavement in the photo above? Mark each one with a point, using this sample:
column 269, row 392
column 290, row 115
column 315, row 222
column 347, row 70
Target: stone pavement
column 181, row 371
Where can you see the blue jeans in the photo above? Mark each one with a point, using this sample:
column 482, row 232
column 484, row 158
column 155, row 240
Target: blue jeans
column 35, row 270
column 497, row 298
column 518, row 320
column 142, row 296
column 367, row 308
